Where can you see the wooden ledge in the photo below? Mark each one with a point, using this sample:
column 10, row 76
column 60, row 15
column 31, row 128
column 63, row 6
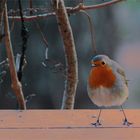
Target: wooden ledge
column 68, row 125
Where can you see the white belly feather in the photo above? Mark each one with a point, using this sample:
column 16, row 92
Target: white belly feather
column 108, row 97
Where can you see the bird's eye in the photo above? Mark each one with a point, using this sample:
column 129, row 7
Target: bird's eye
column 103, row 63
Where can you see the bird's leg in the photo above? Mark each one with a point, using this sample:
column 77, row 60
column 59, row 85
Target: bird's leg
column 98, row 120
column 125, row 122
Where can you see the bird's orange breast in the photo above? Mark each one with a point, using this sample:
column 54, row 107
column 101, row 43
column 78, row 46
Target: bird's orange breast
column 101, row 76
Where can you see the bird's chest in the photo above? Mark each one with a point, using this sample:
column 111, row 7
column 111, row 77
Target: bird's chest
column 101, row 77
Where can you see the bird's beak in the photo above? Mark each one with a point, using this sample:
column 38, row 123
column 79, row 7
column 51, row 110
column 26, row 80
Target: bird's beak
column 93, row 65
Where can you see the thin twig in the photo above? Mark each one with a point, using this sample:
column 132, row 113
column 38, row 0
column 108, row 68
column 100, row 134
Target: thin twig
column 70, row 10
column 16, row 85
column 42, row 35
column 81, row 6
column 30, row 18
column 92, row 31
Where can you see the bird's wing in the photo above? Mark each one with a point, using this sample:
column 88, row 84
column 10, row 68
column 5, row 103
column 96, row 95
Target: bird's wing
column 120, row 70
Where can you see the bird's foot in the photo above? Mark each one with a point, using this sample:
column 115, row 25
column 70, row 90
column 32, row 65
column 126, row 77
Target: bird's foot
column 97, row 123
column 125, row 122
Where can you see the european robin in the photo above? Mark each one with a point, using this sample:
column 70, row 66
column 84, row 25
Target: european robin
column 107, row 85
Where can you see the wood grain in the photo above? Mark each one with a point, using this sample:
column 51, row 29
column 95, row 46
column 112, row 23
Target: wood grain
column 67, row 125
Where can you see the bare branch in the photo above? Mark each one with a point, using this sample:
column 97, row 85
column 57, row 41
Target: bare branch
column 42, row 35
column 70, row 10
column 91, row 7
column 31, row 6
column 91, row 30
column 70, row 55
column 16, row 85
column 30, row 18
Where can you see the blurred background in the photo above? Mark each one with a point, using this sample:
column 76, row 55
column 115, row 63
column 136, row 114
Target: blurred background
column 117, row 34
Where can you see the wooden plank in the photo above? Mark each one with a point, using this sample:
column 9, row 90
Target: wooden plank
column 67, row 124
column 71, row 134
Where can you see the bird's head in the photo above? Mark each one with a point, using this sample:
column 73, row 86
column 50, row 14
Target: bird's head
column 100, row 60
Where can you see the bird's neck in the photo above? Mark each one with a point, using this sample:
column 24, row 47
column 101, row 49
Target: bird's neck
column 101, row 76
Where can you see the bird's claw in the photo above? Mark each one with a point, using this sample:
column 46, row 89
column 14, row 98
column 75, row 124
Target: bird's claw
column 125, row 122
column 97, row 123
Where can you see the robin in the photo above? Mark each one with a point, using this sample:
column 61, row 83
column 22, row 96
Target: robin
column 107, row 85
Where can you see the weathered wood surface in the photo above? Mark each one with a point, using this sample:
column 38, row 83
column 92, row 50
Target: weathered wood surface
column 67, row 125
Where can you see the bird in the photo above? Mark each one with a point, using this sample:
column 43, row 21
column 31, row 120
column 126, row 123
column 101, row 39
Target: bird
column 107, row 85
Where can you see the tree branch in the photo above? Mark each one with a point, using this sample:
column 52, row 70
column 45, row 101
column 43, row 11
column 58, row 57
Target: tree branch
column 30, row 18
column 92, row 31
column 70, row 10
column 81, row 6
column 70, row 55
column 16, row 85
